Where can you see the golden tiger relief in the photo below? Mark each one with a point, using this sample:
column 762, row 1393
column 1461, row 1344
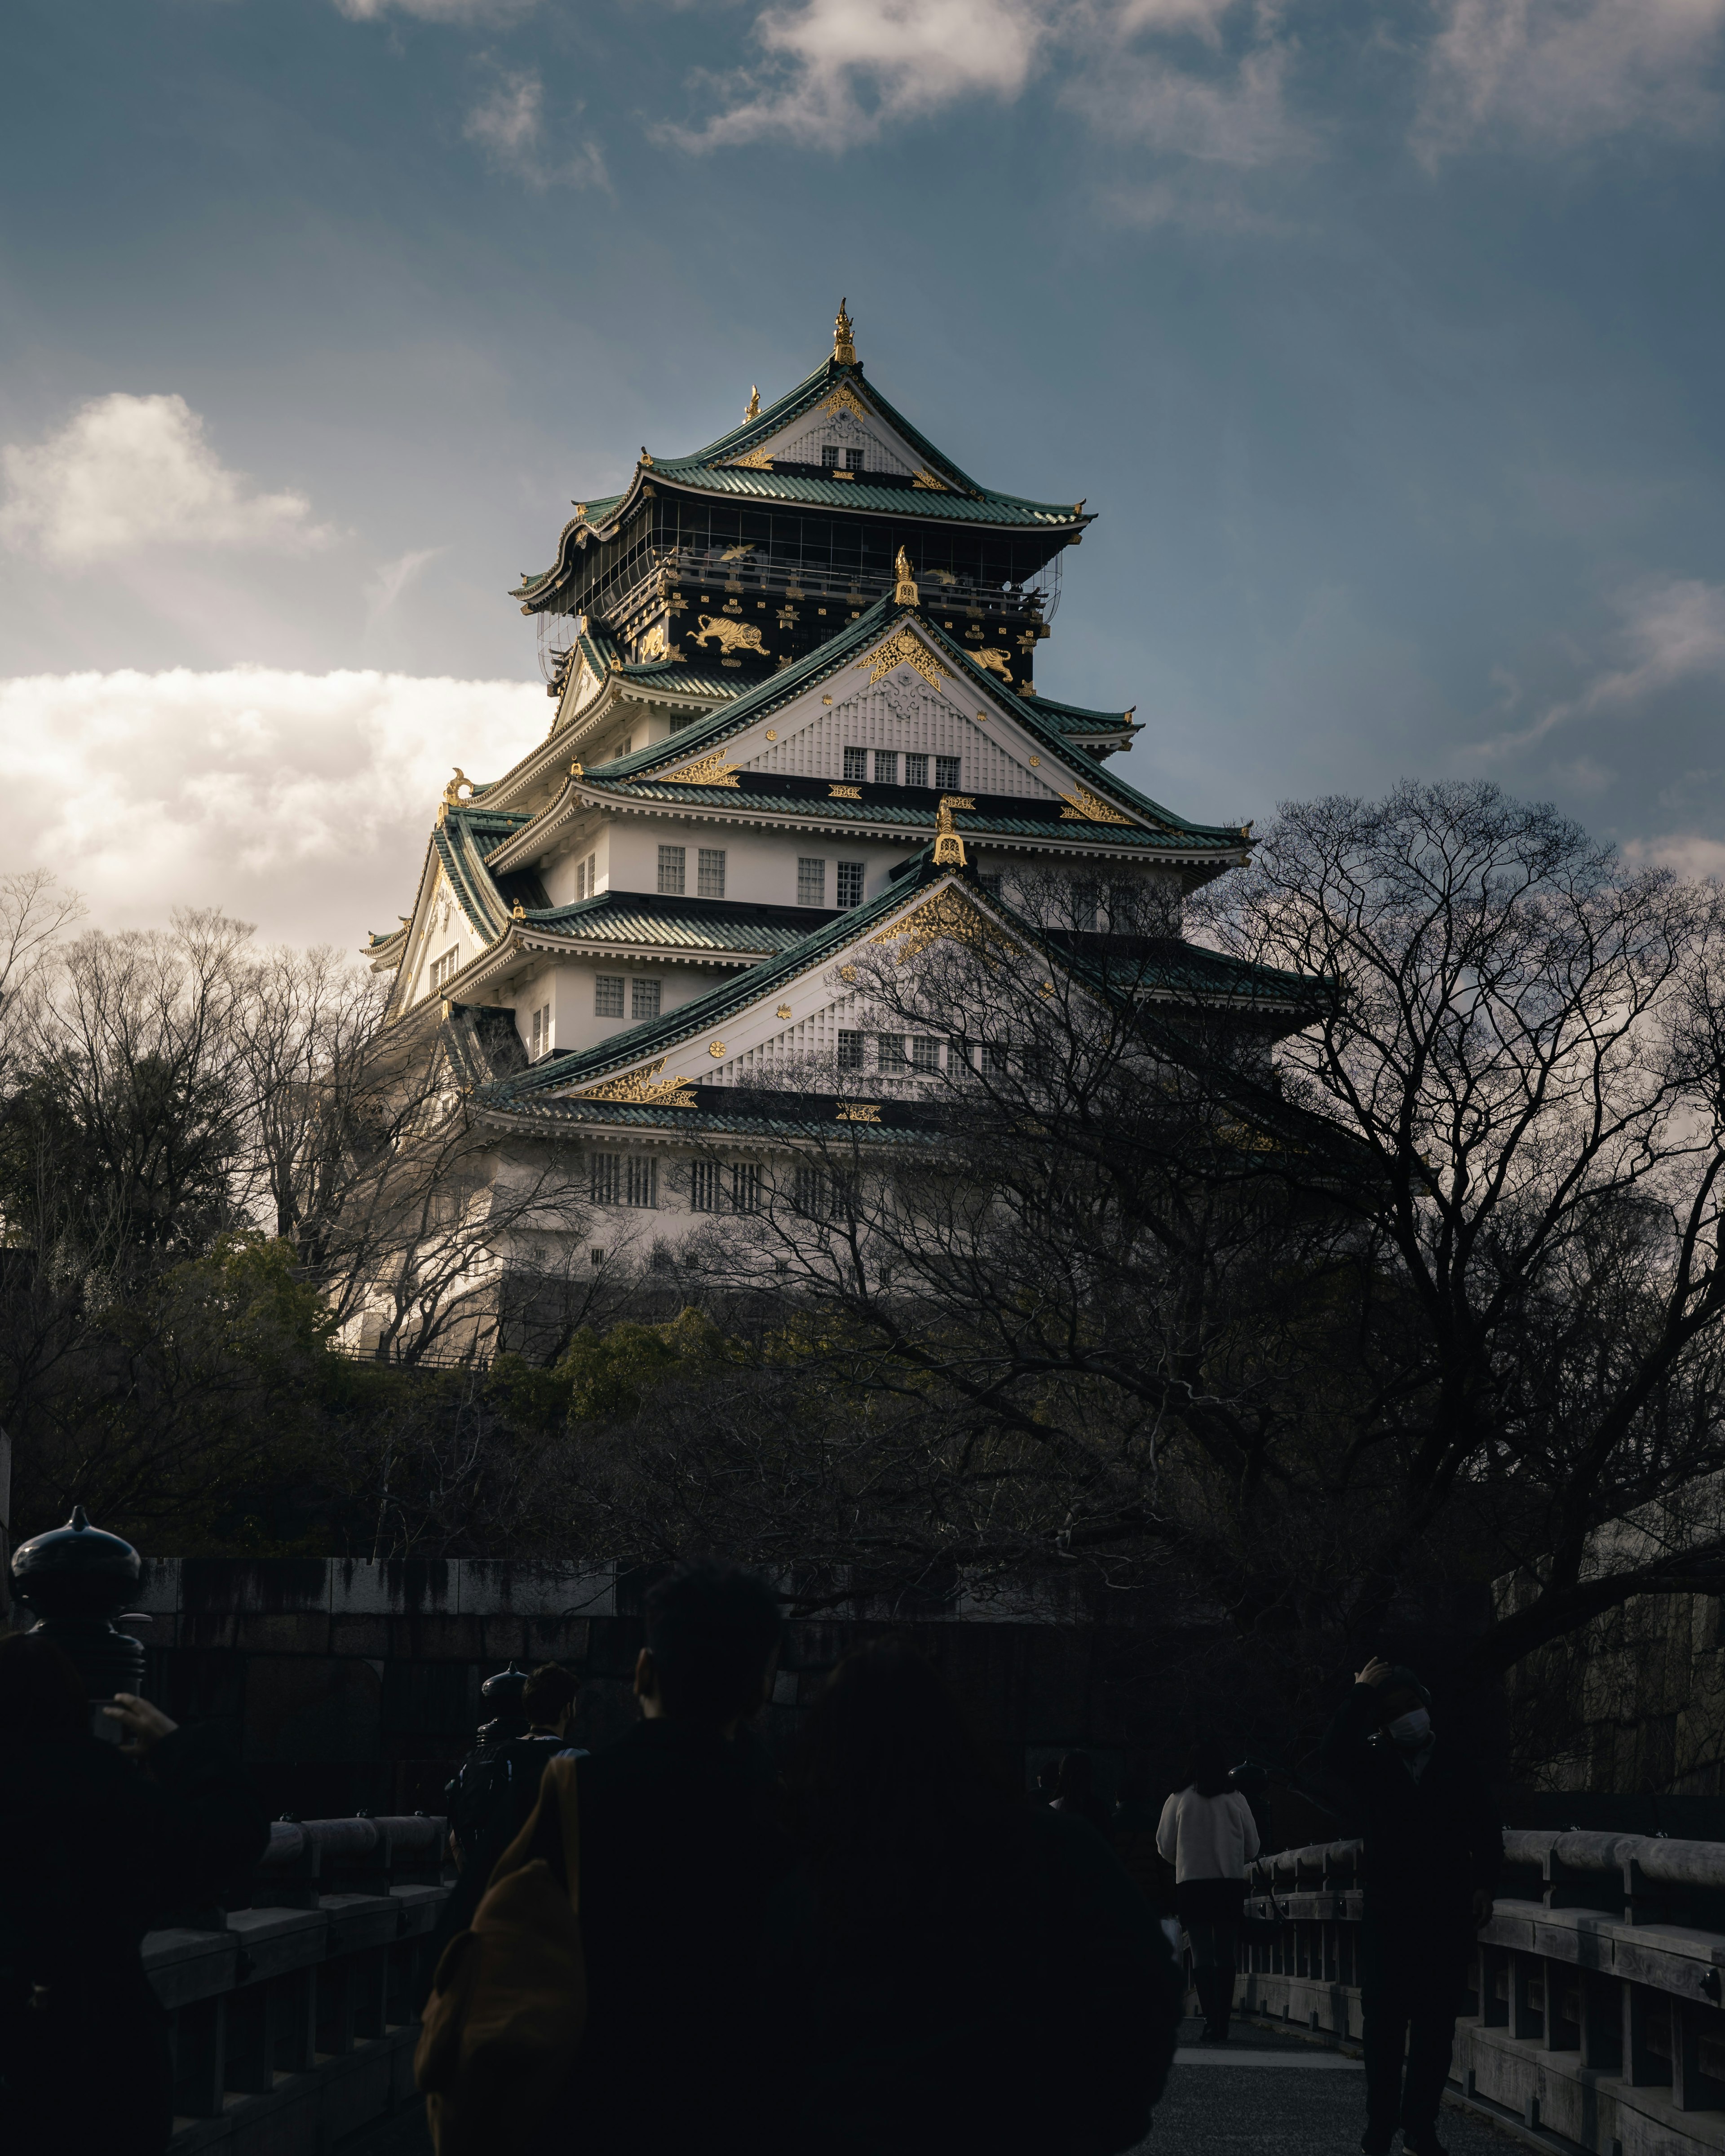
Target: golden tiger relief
column 731, row 635
column 996, row 662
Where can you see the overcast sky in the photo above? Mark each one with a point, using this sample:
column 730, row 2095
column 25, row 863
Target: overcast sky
column 1385, row 339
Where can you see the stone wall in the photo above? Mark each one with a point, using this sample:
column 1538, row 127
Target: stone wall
column 356, row 1687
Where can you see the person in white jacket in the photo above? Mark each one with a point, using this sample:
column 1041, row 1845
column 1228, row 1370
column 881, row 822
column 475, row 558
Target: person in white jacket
column 1207, row 1832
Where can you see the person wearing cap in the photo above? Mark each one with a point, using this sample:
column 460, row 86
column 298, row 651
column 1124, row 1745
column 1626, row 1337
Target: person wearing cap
column 1433, row 1847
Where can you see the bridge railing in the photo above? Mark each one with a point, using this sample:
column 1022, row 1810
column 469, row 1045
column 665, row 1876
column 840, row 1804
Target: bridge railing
column 1593, row 2014
column 293, row 2018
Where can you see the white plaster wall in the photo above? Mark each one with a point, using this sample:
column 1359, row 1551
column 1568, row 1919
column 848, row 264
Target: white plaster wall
column 558, row 876
column 900, row 713
column 572, row 989
column 760, row 866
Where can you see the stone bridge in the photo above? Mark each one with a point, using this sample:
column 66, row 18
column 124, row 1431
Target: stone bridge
column 1595, row 2022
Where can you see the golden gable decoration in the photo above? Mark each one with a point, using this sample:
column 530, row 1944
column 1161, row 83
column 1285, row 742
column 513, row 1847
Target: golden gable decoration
column 711, row 770
column 951, row 914
column 905, row 645
column 756, row 460
column 924, row 478
column 645, row 1088
column 1084, row 807
column 844, row 398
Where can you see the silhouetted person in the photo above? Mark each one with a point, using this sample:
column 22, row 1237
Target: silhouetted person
column 98, row 1842
column 1075, row 1791
column 1207, row 1832
column 1434, row 1845
column 956, row 1973
column 498, row 1784
column 680, row 1844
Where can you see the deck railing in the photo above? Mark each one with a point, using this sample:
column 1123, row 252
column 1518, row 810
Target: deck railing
column 293, row 2019
column 1594, row 2015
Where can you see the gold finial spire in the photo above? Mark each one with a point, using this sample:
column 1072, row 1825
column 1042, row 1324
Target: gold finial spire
column 948, row 846
column 903, row 590
column 752, row 410
column 844, row 346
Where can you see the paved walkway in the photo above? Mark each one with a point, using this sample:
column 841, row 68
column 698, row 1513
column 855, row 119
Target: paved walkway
column 1265, row 2094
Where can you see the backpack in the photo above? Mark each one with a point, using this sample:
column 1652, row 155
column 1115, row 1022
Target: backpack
column 508, row 2004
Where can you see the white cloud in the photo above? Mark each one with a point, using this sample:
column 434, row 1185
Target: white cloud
column 131, row 472
column 436, row 11
column 393, row 577
column 508, row 123
column 1687, row 852
column 838, row 71
column 1554, row 73
column 1672, row 632
column 302, row 802
column 1233, row 113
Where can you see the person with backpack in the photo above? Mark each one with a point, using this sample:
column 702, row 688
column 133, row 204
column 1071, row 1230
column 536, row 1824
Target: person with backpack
column 1207, row 1832
column 1434, row 1845
column 677, row 1842
column 954, row 1972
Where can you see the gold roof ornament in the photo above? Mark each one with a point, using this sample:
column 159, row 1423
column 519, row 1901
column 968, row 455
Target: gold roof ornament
column 948, row 846
column 644, row 1088
column 844, row 344
column 752, row 410
column 453, row 793
column 904, row 591
column 519, row 912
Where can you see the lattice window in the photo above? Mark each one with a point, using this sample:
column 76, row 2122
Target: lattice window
column 915, row 771
column 643, row 998
column 710, row 873
column 851, row 1050
column 947, row 771
column 850, row 883
column 672, row 861
column 812, row 1194
column 444, row 968
column 886, row 767
column 856, row 764
column 604, row 1180
column 641, row 1181
column 706, row 1186
column 925, row 1053
column 608, row 995
column 745, row 1188
column 889, row 1052
column 811, row 881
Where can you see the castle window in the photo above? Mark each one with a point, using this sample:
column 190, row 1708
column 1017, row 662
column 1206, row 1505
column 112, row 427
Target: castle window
column 856, row 764
column 991, row 884
column 641, row 1179
column 915, row 771
column 1084, row 897
column 850, row 883
column 444, row 968
column 681, row 719
column 643, row 1000
column 946, row 774
column 671, row 871
column 608, row 995
column 993, row 1059
column 925, row 1053
column 604, row 1181
column 833, row 459
column 745, row 1188
column 705, row 1190
column 580, row 879
column 851, row 1051
column 812, row 1198
column 811, row 881
column 587, row 877
column 889, row 1052
column 886, row 767
column 542, row 1031
column 710, row 873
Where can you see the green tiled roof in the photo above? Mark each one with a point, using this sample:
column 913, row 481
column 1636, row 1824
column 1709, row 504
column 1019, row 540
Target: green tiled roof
column 714, row 470
column 709, row 924
column 1176, row 965
column 839, row 650
column 1074, row 718
column 945, row 507
column 671, row 678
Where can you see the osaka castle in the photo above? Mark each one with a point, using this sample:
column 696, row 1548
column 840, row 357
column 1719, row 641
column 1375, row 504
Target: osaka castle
column 805, row 703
